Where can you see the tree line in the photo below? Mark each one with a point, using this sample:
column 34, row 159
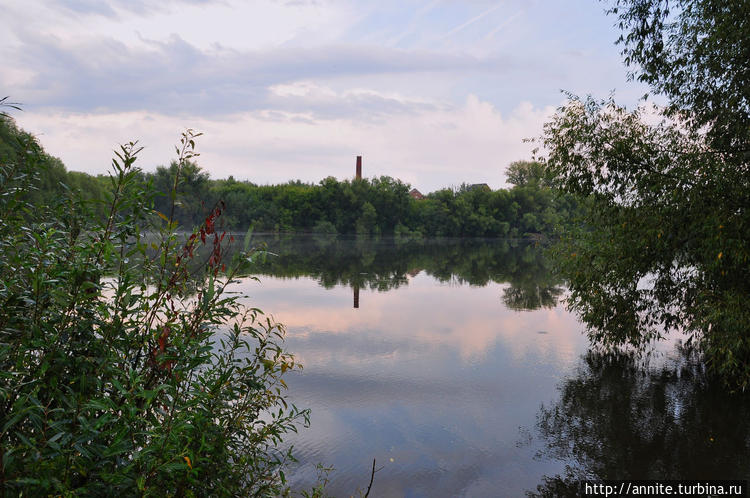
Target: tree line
column 374, row 206
column 383, row 206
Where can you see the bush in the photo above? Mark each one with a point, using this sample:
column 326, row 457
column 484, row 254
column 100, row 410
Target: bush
column 324, row 227
column 403, row 232
column 124, row 367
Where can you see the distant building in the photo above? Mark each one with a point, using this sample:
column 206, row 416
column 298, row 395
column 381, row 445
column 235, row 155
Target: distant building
column 479, row 186
column 416, row 194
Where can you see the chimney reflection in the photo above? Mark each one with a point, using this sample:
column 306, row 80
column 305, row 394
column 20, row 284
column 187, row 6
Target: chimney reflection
column 356, row 296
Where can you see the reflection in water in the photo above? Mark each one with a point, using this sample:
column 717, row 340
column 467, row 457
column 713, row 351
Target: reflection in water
column 621, row 419
column 432, row 378
column 386, row 263
column 531, row 296
column 416, row 354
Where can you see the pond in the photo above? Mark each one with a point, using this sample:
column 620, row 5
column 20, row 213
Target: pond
column 454, row 364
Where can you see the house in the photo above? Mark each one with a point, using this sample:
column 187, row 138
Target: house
column 416, row 194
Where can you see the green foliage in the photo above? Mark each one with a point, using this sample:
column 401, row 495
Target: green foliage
column 618, row 417
column 383, row 206
column 377, row 206
column 189, row 184
column 52, row 182
column 124, row 367
column 324, row 227
column 695, row 52
column 403, row 233
column 366, row 221
column 10, row 105
column 526, row 173
column 664, row 241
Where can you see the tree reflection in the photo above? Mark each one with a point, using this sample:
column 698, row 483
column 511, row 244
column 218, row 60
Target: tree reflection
column 530, row 296
column 619, row 418
column 385, row 264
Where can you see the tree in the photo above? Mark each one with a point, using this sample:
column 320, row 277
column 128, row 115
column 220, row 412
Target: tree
column 190, row 183
column 521, row 173
column 124, row 367
column 695, row 52
column 665, row 238
column 367, row 220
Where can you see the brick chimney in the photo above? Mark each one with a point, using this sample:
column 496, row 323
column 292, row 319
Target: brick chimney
column 359, row 168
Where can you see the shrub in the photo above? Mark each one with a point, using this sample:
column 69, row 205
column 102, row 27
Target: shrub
column 324, row 227
column 125, row 366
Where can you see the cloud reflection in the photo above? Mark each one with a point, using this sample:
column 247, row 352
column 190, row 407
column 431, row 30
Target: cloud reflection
column 423, row 316
column 436, row 375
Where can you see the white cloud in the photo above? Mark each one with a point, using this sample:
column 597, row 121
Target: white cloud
column 173, row 76
column 434, row 147
column 296, row 89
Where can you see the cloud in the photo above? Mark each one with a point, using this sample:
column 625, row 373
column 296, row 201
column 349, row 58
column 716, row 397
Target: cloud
column 113, row 8
column 173, row 76
column 362, row 104
column 429, row 146
column 295, row 91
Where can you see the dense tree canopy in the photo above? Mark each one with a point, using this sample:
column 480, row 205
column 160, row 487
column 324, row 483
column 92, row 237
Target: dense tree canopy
column 374, row 206
column 383, row 206
column 664, row 243
column 526, row 173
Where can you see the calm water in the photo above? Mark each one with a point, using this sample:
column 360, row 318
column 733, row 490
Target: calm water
column 454, row 365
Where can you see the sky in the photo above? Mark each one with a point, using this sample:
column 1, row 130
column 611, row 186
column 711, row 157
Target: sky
column 433, row 92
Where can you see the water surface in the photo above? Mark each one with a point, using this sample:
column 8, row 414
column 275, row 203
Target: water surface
column 453, row 363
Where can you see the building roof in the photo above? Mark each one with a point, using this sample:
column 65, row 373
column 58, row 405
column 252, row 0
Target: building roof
column 416, row 194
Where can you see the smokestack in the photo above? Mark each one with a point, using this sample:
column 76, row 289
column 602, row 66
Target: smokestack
column 359, row 168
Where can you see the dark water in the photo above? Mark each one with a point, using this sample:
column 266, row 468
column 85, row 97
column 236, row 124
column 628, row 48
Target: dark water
column 455, row 366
